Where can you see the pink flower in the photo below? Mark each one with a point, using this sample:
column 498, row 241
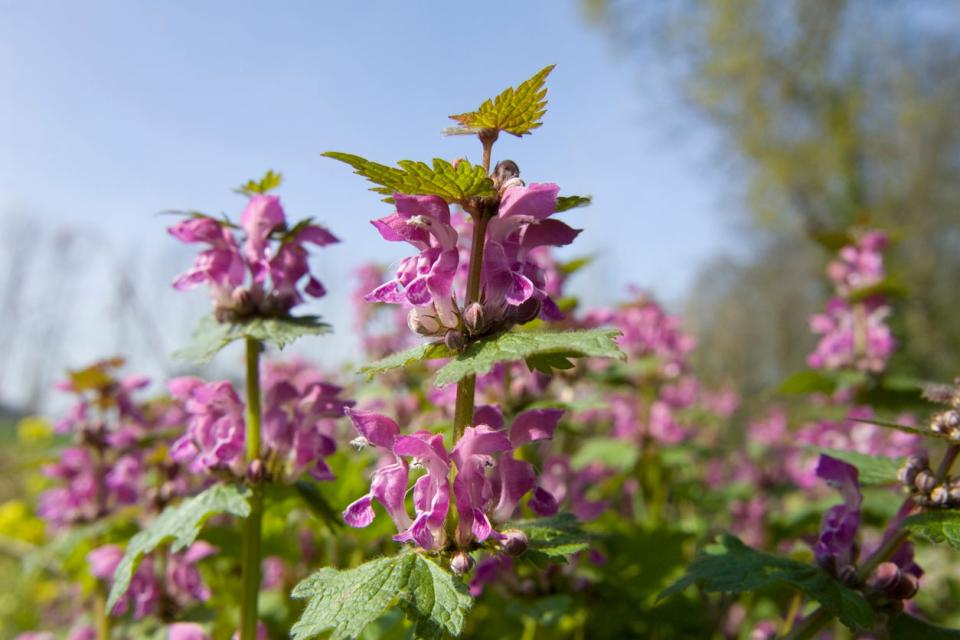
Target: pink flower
column 186, row 631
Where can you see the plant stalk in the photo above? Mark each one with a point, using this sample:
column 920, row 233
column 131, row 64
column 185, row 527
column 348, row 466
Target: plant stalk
column 101, row 617
column 250, row 559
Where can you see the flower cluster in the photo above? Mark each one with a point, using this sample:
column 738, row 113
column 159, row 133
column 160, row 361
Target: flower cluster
column 488, row 486
column 149, row 593
column 260, row 276
column 512, row 281
column 113, row 434
column 298, row 424
column 853, row 328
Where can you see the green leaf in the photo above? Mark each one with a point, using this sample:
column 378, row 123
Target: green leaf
column 936, row 526
column 347, row 601
column 318, row 504
column 808, row 381
column 547, row 362
column 270, row 180
column 890, row 287
column 553, row 539
column 516, row 110
column 480, row 357
column 613, row 453
column 571, row 267
column 906, row 627
column 926, row 433
column 180, row 524
column 212, row 336
column 429, row 351
column 453, row 184
column 872, row 469
column 565, row 203
column 731, row 566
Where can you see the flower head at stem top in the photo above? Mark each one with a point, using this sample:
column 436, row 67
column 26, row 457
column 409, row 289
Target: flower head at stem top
column 260, row 275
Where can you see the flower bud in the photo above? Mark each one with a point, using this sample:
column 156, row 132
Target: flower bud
column 461, row 563
column 847, row 574
column 454, row 340
column 474, row 318
column 925, row 481
column 422, row 324
column 884, row 577
column 527, row 311
column 242, row 301
column 940, row 496
column 256, row 472
column 514, row 542
column 506, row 174
column 906, row 588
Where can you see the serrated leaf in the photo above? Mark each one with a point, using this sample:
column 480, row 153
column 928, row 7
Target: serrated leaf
column 345, row 602
column 212, row 336
column 546, row 362
column 733, row 567
column 179, row 524
column 553, row 539
column 565, row 203
column 270, row 180
column 936, row 526
column 611, row 452
column 906, row 627
column 429, row 351
column 872, row 469
column 516, row 110
column 453, row 184
column 514, row 346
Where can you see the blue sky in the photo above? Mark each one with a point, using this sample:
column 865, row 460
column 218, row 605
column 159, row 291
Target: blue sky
column 115, row 110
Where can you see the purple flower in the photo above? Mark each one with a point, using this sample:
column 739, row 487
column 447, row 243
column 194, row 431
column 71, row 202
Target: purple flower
column 489, row 482
column 299, row 416
column 144, row 591
column 853, row 336
column 184, row 584
column 186, row 631
column 425, row 280
column 267, row 251
column 836, row 545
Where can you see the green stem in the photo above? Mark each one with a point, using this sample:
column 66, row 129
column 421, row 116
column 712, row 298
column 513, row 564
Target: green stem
column 250, row 562
column 100, row 616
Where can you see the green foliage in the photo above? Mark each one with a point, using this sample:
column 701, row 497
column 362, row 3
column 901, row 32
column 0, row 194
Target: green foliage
column 613, row 453
column 926, row 433
column 872, row 469
column 889, row 287
column 212, row 336
column 480, row 357
column 270, row 180
column 516, row 110
column 552, row 539
column 813, row 381
column 907, row 627
column 453, row 184
column 936, row 526
column 731, row 566
column 349, row 600
column 429, row 351
column 180, row 524
column 565, row 203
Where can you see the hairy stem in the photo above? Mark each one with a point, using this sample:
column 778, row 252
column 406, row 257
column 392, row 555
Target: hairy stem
column 252, row 525
column 821, row 617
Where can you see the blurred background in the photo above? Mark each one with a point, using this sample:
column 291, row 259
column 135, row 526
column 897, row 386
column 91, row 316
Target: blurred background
column 719, row 139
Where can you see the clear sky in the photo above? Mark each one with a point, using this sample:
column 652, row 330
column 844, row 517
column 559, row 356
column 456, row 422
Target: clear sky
column 111, row 111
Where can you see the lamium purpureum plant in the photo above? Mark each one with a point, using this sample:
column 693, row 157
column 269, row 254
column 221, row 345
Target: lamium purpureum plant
column 864, row 582
column 471, row 287
column 257, row 273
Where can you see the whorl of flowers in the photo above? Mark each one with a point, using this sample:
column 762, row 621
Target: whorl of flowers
column 256, row 268
column 488, row 486
column 853, row 328
column 512, row 284
column 299, row 417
